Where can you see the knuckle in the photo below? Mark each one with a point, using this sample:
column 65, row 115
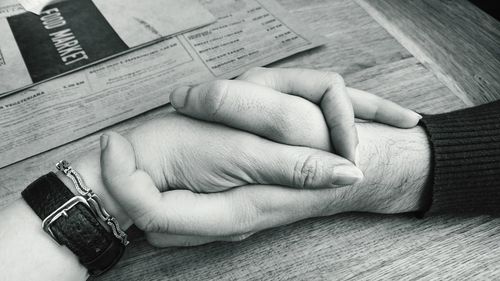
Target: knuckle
column 307, row 172
column 289, row 126
column 281, row 128
column 215, row 96
column 331, row 79
column 288, row 119
column 335, row 78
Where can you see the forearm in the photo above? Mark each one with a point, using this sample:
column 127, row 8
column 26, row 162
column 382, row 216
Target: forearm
column 28, row 253
column 396, row 165
column 451, row 165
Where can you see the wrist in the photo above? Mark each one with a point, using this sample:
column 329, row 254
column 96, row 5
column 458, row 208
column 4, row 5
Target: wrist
column 90, row 170
column 77, row 222
column 396, row 164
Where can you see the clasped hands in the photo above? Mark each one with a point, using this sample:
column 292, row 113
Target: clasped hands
column 272, row 147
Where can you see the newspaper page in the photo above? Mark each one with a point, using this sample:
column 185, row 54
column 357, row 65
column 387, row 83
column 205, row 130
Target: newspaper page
column 247, row 33
column 10, row 8
column 69, row 35
column 34, row 6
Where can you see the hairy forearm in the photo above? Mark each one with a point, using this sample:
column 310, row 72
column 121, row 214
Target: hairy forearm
column 396, row 165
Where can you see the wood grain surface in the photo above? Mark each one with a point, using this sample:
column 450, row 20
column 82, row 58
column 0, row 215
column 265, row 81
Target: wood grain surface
column 347, row 246
column 458, row 41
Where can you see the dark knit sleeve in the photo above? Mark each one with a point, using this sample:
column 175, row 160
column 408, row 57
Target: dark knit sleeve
column 466, row 160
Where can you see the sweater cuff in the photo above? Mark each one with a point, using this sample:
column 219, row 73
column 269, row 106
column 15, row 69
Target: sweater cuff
column 466, row 160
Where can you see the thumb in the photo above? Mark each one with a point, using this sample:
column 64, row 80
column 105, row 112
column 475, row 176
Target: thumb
column 132, row 188
column 117, row 156
column 151, row 211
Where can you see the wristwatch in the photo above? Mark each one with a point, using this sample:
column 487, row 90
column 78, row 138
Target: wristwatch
column 72, row 222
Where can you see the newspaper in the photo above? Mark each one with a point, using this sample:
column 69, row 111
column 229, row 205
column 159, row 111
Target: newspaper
column 34, row 6
column 247, row 33
column 69, row 35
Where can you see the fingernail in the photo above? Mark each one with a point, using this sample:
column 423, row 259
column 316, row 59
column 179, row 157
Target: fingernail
column 418, row 115
column 104, row 141
column 347, row 175
column 179, row 96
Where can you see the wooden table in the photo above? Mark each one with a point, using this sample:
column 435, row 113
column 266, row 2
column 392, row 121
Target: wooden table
column 432, row 56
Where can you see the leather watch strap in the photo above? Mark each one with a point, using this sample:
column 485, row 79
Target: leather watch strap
column 77, row 228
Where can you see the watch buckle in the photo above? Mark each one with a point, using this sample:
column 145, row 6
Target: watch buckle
column 62, row 211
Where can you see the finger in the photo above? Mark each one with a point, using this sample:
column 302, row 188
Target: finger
column 326, row 89
column 270, row 206
column 264, row 161
column 177, row 211
column 267, row 162
column 237, row 211
column 371, row 107
column 256, row 109
column 366, row 106
column 209, row 101
column 240, row 210
column 245, row 209
column 174, row 240
column 121, row 177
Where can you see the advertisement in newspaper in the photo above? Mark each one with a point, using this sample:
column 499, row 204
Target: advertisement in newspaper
column 69, row 35
column 247, row 33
